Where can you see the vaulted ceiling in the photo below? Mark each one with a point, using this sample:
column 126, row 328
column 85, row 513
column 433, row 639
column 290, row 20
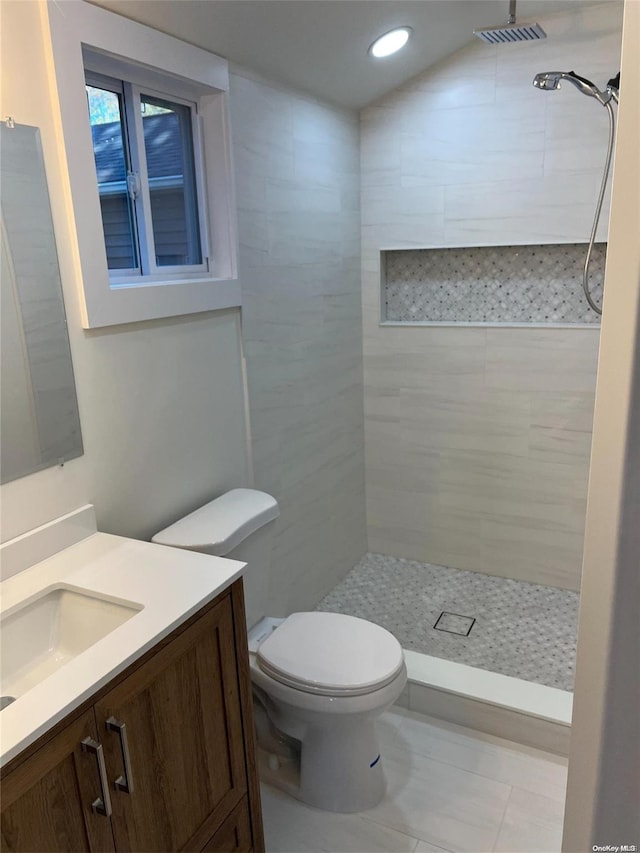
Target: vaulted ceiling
column 320, row 46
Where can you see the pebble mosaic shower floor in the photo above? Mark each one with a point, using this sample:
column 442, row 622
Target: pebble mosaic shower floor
column 521, row 629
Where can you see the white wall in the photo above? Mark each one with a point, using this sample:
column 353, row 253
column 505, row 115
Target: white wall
column 604, row 762
column 161, row 403
column 297, row 175
column 477, row 439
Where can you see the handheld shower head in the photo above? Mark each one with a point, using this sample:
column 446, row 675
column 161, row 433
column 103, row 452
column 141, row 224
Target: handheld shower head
column 550, row 80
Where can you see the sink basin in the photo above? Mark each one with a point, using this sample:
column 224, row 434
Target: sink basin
column 46, row 631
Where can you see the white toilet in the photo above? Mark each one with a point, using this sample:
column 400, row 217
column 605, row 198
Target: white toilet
column 319, row 679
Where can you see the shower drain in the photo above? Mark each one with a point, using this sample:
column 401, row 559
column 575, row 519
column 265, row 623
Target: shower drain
column 454, row 623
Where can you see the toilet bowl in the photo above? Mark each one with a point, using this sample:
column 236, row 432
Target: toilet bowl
column 323, row 679
column 319, row 679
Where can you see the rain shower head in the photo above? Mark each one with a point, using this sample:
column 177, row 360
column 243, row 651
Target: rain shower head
column 511, row 32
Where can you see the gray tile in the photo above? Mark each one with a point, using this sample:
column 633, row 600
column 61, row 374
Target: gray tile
column 492, row 284
column 524, row 630
column 297, row 192
column 449, row 789
column 290, row 825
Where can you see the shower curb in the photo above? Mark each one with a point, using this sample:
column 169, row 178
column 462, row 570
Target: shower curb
column 530, row 714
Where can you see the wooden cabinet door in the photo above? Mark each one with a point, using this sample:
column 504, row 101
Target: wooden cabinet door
column 46, row 800
column 234, row 836
column 184, row 730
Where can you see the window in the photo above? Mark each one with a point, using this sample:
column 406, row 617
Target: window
column 146, row 167
column 146, row 134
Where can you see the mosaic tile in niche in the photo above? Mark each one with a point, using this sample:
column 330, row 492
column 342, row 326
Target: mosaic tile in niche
column 492, row 284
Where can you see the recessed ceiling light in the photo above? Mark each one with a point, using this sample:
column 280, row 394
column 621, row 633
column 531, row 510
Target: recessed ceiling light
column 390, row 42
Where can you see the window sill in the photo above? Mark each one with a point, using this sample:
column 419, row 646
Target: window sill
column 149, row 281
column 129, row 303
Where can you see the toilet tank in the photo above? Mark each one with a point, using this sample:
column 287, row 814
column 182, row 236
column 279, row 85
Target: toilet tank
column 238, row 525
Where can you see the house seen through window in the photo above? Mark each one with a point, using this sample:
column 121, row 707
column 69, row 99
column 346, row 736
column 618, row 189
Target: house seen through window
column 148, row 180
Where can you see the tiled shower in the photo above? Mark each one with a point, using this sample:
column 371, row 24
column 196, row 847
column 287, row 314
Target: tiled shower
column 460, row 290
column 480, row 352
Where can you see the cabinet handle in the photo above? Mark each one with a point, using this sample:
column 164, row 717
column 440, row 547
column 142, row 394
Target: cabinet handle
column 101, row 805
column 125, row 782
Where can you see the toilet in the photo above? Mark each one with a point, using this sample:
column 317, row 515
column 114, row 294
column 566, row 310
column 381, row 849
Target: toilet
column 319, row 679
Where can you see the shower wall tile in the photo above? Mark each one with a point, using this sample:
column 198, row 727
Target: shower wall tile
column 542, row 360
column 565, row 119
column 477, row 449
column 477, row 439
column 558, row 207
column 452, row 92
column 474, row 457
column 297, row 186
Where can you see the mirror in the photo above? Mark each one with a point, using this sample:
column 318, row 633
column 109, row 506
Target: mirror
column 39, row 421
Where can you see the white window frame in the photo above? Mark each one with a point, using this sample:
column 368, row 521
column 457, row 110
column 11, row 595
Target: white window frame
column 131, row 97
column 150, row 63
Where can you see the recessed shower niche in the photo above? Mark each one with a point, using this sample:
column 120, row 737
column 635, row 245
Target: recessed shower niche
column 512, row 285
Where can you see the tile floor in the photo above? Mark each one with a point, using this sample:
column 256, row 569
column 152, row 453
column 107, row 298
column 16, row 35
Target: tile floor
column 449, row 789
column 521, row 629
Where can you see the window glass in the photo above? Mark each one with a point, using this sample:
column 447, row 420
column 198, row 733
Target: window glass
column 112, row 167
column 168, row 142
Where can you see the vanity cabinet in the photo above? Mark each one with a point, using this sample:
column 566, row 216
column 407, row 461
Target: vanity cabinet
column 46, row 801
column 161, row 760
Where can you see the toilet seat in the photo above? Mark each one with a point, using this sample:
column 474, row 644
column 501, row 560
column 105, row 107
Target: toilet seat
column 331, row 654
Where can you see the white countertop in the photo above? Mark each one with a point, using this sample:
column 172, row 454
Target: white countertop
column 170, row 585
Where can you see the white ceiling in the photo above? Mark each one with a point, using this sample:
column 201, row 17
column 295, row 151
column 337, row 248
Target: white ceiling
column 320, row 46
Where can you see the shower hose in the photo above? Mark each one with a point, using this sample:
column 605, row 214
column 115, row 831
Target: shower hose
column 603, row 187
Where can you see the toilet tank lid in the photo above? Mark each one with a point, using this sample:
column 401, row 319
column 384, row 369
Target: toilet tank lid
column 221, row 525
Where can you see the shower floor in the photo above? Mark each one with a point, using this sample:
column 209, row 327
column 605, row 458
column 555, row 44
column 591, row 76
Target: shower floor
column 519, row 629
